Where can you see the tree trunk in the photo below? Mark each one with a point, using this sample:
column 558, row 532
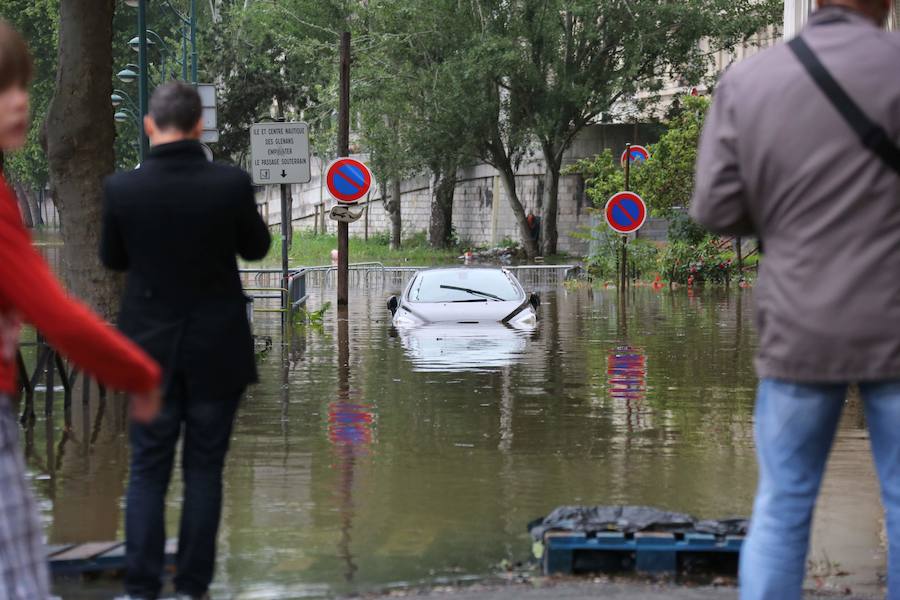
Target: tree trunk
column 508, row 177
column 549, row 219
column 24, row 208
column 396, row 216
column 440, row 228
column 80, row 135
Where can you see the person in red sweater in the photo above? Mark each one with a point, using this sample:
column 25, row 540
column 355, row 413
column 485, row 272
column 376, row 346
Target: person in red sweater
column 29, row 292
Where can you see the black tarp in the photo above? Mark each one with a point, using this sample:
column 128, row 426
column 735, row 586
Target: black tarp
column 630, row 519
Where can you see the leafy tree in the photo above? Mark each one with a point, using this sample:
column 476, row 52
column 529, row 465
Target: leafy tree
column 268, row 59
column 573, row 60
column 414, row 115
column 666, row 180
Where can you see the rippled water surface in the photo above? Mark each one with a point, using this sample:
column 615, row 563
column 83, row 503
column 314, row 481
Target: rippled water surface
column 368, row 457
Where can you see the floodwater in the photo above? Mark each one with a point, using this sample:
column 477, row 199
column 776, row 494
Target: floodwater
column 368, row 459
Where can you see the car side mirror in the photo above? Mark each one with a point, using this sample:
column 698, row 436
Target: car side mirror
column 535, row 300
column 392, row 304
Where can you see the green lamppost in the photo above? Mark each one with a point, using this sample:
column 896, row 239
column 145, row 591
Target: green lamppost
column 188, row 26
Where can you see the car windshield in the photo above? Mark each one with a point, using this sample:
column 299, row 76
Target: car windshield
column 463, row 285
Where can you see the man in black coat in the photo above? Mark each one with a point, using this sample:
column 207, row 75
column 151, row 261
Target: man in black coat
column 175, row 225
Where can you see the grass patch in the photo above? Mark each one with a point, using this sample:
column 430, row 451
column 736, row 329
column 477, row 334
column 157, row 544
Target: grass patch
column 310, row 250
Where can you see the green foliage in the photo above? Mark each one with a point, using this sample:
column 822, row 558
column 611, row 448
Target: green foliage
column 666, row 180
column 642, row 258
column 682, row 228
column 681, row 262
column 302, row 316
column 272, row 60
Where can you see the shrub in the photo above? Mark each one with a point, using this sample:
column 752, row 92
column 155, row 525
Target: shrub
column 642, row 258
column 705, row 262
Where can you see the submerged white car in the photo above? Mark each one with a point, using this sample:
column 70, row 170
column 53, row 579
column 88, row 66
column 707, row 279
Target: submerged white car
column 465, row 296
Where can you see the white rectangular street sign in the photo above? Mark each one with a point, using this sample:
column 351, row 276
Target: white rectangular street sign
column 209, row 136
column 279, row 153
column 207, row 93
column 210, row 118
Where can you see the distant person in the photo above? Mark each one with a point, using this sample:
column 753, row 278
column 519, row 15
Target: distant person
column 534, row 227
column 29, row 291
column 175, row 226
column 779, row 159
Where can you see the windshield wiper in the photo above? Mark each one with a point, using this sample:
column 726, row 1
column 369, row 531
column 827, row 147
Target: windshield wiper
column 473, row 292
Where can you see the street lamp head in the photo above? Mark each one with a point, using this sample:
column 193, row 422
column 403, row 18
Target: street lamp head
column 135, row 43
column 132, row 3
column 121, row 117
column 116, row 100
column 127, row 75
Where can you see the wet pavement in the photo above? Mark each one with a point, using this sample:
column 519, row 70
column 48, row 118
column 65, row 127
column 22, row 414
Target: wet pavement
column 591, row 590
column 370, row 459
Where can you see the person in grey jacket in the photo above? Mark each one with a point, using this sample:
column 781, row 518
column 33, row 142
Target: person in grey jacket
column 779, row 161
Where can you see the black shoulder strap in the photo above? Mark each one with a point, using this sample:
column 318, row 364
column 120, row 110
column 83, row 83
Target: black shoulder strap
column 872, row 135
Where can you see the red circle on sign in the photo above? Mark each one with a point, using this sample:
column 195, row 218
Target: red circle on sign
column 348, row 180
column 640, row 151
column 625, row 212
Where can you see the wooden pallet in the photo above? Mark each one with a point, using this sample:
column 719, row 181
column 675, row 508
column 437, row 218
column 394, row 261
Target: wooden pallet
column 613, row 552
column 95, row 557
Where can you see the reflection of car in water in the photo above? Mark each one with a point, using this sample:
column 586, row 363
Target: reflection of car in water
column 462, row 319
column 440, row 347
column 464, row 296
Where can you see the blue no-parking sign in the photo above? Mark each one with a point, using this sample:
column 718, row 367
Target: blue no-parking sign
column 348, row 180
column 625, row 212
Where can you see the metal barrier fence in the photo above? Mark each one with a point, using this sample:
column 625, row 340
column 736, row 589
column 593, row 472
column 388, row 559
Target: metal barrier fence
column 367, row 275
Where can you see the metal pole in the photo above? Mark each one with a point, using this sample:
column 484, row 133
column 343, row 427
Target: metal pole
column 194, row 79
column 285, row 234
column 623, row 268
column 143, row 76
column 184, row 54
column 343, row 292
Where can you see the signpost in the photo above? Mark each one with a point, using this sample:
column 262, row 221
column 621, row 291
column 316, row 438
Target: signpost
column 343, row 146
column 279, row 154
column 626, row 212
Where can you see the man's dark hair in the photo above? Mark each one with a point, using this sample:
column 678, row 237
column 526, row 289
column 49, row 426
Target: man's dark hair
column 176, row 105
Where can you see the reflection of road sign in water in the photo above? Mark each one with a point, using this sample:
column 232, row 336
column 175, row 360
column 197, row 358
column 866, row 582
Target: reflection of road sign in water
column 627, row 370
column 626, row 212
column 348, row 180
column 638, row 155
column 350, row 424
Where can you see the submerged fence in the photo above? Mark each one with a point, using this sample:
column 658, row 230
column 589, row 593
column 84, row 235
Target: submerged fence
column 377, row 275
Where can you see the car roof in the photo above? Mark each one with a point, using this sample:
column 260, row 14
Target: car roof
column 463, row 268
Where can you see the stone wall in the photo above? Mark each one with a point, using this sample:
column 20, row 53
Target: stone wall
column 481, row 212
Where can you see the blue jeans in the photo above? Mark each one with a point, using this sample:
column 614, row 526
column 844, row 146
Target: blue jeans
column 207, row 424
column 795, row 428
